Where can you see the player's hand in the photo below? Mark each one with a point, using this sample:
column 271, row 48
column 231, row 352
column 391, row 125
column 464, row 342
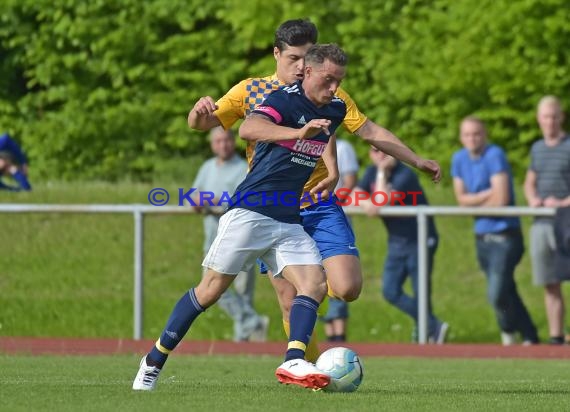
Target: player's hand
column 325, row 188
column 314, row 127
column 432, row 168
column 205, row 106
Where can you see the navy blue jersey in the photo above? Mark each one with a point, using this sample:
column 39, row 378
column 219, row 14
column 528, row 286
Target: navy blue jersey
column 278, row 171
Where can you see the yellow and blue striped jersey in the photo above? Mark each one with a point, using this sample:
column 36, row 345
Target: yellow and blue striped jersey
column 245, row 96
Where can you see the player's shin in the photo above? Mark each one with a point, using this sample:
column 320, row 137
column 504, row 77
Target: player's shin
column 312, row 352
column 302, row 322
column 186, row 310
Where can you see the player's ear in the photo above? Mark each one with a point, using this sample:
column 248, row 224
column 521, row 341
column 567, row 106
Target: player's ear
column 276, row 52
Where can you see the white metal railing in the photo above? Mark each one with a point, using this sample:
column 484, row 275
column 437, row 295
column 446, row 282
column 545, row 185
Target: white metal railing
column 421, row 213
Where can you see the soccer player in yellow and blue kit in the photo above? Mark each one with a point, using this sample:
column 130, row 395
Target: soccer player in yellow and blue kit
column 325, row 222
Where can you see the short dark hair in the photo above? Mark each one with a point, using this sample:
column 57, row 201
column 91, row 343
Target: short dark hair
column 295, row 33
column 318, row 53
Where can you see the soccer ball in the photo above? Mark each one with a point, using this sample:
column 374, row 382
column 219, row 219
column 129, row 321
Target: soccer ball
column 344, row 368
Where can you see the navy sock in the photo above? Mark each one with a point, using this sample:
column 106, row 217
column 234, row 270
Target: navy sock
column 186, row 310
column 302, row 322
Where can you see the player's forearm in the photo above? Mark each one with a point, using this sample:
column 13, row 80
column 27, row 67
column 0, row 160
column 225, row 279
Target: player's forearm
column 388, row 143
column 256, row 129
column 202, row 122
column 330, row 160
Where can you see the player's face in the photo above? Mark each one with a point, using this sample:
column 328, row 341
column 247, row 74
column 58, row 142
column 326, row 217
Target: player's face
column 322, row 81
column 291, row 62
column 223, row 145
column 550, row 120
column 473, row 136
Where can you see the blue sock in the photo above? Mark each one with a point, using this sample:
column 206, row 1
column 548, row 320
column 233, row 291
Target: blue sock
column 186, row 310
column 302, row 322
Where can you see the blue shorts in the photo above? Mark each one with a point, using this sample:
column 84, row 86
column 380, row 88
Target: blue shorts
column 262, row 268
column 329, row 227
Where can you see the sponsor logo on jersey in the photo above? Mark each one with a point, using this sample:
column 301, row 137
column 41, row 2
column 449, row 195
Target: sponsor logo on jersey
column 308, row 147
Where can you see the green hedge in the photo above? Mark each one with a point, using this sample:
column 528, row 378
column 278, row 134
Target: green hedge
column 101, row 89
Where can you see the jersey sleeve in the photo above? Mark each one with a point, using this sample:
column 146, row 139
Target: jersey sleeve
column 231, row 106
column 498, row 162
column 354, row 118
column 274, row 107
column 455, row 170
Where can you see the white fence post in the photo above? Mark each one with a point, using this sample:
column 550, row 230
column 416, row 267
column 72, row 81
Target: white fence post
column 139, row 274
column 423, row 281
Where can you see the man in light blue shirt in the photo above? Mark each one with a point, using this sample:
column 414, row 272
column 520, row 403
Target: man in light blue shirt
column 482, row 177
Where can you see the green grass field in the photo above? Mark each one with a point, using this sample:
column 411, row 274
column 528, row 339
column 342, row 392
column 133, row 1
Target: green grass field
column 72, row 275
column 238, row 383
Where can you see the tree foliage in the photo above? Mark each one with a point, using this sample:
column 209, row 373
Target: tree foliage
column 101, row 89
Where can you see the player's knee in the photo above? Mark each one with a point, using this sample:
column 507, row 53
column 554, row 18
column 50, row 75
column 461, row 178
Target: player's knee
column 208, row 296
column 348, row 292
column 211, row 288
column 351, row 295
column 316, row 289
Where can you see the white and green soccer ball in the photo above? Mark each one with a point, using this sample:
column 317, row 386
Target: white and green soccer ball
column 344, row 368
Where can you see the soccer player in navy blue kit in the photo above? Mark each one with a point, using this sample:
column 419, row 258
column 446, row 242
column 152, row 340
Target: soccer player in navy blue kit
column 292, row 129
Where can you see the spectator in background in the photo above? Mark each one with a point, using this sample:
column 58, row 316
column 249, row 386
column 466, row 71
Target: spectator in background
column 13, row 163
column 382, row 180
column 482, row 177
column 547, row 184
column 337, row 314
column 220, row 174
